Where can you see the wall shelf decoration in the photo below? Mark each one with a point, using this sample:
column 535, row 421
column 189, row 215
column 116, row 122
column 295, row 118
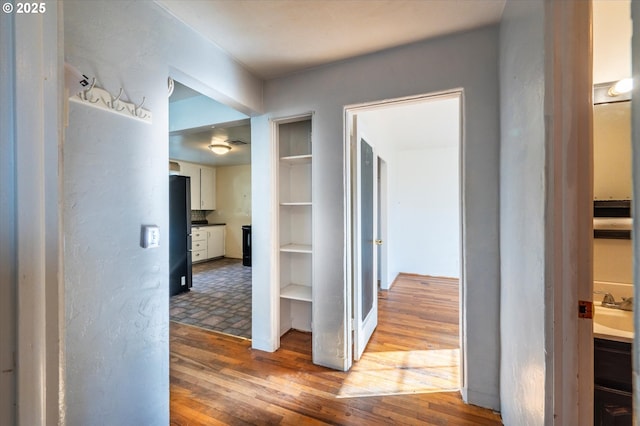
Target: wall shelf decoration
column 100, row 98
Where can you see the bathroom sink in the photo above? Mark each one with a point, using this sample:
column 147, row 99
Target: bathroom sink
column 616, row 323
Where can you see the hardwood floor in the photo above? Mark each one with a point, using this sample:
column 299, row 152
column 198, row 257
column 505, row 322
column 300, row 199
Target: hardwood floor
column 406, row 376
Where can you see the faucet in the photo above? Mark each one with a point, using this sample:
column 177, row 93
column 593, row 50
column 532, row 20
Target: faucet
column 626, row 304
column 608, row 299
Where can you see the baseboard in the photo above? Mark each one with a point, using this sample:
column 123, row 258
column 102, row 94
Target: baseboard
column 481, row 399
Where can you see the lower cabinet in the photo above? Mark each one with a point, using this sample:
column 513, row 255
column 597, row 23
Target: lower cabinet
column 215, row 241
column 613, row 402
column 207, row 242
column 198, row 244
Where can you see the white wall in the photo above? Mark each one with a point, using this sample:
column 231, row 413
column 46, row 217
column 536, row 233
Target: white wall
column 611, row 40
column 471, row 64
column 522, row 201
column 424, row 224
column 233, row 205
column 116, row 319
column 612, row 260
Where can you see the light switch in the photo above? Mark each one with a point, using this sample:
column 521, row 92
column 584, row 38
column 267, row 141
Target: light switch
column 150, row 236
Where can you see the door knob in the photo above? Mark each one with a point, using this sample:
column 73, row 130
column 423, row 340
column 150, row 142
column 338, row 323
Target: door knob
column 378, row 242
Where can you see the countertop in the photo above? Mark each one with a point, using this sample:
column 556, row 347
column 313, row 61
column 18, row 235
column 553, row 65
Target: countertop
column 613, row 324
column 195, row 225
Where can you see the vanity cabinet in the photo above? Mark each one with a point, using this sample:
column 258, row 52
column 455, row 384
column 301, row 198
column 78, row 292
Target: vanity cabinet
column 613, row 383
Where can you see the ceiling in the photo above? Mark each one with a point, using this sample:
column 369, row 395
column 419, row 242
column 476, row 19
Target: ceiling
column 192, row 144
column 273, row 38
column 258, row 34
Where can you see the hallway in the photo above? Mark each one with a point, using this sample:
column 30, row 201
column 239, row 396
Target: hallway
column 408, row 375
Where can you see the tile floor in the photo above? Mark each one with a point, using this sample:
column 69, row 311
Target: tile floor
column 220, row 299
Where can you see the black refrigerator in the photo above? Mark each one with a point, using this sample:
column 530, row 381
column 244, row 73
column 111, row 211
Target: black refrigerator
column 179, row 234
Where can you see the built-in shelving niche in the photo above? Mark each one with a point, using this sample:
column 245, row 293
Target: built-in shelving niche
column 293, row 140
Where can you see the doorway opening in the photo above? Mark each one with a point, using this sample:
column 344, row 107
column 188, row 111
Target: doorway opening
column 210, row 148
column 404, row 226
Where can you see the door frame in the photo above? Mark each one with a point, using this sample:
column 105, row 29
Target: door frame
column 382, row 224
column 35, row 137
column 349, row 111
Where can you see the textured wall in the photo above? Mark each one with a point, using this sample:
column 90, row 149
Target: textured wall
column 466, row 61
column 522, row 200
column 115, row 179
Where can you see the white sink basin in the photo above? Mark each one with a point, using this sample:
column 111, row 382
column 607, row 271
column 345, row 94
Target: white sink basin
column 613, row 324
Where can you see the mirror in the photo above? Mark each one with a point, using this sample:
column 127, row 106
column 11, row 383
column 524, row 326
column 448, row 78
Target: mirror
column 612, row 151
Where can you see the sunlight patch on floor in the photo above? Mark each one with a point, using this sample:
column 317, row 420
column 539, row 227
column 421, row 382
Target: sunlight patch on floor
column 403, row 372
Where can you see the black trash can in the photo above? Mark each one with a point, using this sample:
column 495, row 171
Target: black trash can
column 246, row 245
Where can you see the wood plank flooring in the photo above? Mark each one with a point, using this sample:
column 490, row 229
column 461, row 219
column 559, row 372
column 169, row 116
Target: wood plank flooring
column 406, row 376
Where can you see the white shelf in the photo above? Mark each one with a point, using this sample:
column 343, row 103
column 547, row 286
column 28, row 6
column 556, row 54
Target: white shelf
column 296, row 292
column 296, row 203
column 297, row 159
column 296, row 248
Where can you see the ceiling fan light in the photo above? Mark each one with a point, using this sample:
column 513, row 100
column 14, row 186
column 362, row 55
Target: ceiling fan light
column 219, row 148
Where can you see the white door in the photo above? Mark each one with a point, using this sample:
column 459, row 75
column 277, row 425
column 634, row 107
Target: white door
column 365, row 291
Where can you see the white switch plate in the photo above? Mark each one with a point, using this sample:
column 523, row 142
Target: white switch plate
column 150, row 236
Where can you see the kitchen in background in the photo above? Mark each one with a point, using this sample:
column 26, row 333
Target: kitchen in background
column 210, row 146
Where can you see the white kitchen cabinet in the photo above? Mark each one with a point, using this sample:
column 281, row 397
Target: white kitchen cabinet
column 193, row 171
column 198, row 244
column 215, row 241
column 207, row 242
column 207, row 188
column 293, row 139
column 203, row 185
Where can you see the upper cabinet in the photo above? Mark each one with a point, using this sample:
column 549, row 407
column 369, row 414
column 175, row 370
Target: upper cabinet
column 193, row 171
column 203, row 185
column 207, row 188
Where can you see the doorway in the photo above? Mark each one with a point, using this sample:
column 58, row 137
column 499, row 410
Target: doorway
column 210, row 143
column 419, row 188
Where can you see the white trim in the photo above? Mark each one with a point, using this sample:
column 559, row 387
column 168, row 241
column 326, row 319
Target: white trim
column 383, row 221
column 275, row 249
column 463, row 282
column 38, row 127
column 568, row 211
column 348, row 238
column 349, row 111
